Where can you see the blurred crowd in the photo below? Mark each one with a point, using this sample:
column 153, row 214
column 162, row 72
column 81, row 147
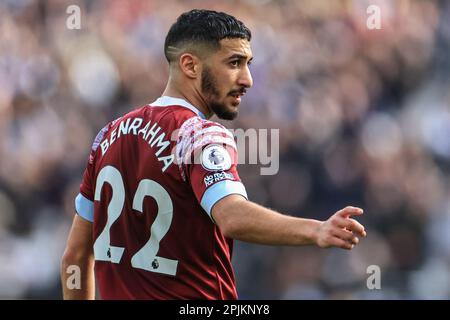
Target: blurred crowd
column 364, row 119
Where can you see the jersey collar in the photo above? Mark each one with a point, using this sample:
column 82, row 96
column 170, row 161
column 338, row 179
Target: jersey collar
column 165, row 101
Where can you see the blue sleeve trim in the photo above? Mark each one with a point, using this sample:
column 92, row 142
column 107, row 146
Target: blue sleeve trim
column 220, row 190
column 84, row 207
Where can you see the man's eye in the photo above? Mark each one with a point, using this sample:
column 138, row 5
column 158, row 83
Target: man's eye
column 235, row 63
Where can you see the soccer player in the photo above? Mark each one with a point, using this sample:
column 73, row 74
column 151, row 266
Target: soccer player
column 161, row 198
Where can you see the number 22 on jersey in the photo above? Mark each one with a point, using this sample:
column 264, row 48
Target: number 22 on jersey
column 145, row 258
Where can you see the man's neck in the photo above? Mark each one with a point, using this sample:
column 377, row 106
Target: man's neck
column 193, row 99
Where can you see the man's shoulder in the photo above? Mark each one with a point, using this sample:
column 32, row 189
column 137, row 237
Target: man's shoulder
column 197, row 133
column 196, row 123
column 111, row 124
column 102, row 133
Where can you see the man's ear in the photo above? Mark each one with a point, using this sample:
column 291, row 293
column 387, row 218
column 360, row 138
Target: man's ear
column 190, row 65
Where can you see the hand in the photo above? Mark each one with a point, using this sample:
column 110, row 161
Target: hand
column 340, row 230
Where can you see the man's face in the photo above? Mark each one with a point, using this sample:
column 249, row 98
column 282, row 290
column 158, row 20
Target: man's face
column 226, row 77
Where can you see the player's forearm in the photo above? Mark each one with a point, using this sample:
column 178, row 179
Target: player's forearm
column 250, row 222
column 77, row 277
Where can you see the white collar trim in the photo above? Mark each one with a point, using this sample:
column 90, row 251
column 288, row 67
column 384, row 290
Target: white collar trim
column 165, row 101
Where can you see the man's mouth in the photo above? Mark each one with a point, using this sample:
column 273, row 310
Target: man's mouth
column 238, row 94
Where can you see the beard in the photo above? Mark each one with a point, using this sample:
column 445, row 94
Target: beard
column 209, row 89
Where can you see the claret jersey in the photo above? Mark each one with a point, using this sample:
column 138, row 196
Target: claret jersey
column 150, row 183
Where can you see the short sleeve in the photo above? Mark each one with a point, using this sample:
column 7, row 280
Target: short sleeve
column 207, row 158
column 84, row 202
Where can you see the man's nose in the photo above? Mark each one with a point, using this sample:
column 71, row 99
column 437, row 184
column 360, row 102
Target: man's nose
column 245, row 78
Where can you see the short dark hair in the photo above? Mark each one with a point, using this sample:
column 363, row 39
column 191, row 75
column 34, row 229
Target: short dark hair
column 203, row 27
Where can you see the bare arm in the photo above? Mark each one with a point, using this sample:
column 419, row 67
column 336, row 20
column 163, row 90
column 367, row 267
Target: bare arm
column 78, row 253
column 247, row 221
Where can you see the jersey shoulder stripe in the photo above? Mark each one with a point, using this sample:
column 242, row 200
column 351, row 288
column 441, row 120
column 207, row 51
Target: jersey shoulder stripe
column 196, row 133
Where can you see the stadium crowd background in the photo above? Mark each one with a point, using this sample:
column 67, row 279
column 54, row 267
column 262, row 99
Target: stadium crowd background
column 364, row 119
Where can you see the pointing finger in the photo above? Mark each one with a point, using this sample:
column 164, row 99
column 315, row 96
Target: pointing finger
column 350, row 211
